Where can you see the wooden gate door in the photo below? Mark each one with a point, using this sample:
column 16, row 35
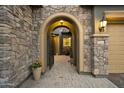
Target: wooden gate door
column 50, row 50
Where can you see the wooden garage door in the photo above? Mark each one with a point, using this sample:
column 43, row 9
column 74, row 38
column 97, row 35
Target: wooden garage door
column 116, row 48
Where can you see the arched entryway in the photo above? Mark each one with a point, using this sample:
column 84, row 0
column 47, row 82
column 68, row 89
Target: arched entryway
column 78, row 34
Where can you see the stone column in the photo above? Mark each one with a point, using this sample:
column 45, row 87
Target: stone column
column 100, row 55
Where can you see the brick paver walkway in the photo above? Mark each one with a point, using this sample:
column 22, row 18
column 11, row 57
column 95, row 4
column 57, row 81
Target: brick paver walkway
column 64, row 75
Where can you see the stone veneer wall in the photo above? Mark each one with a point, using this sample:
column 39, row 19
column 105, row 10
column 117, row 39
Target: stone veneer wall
column 19, row 35
column 36, row 23
column 84, row 15
column 15, row 44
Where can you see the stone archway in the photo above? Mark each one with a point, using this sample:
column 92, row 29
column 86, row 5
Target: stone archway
column 43, row 38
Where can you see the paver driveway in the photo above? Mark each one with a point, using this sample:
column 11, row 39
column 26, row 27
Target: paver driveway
column 64, row 75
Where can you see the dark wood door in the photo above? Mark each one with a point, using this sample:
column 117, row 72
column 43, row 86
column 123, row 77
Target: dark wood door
column 50, row 50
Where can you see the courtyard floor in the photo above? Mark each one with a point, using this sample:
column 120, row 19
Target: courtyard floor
column 64, row 75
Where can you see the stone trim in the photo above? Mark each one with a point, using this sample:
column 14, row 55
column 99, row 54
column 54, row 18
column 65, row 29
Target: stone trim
column 114, row 16
column 99, row 35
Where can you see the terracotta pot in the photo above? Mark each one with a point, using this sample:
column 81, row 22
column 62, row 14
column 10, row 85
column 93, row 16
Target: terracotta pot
column 37, row 73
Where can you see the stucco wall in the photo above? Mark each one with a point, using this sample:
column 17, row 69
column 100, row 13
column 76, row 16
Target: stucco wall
column 98, row 13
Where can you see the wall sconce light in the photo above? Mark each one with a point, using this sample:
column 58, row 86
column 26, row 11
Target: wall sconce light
column 103, row 24
column 61, row 22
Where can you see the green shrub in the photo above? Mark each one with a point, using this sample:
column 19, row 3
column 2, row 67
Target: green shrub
column 36, row 65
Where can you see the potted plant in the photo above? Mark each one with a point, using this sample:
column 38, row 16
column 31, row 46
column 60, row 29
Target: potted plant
column 36, row 69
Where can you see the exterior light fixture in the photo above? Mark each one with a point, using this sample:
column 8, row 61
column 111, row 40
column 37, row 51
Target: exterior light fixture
column 103, row 24
column 61, row 22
